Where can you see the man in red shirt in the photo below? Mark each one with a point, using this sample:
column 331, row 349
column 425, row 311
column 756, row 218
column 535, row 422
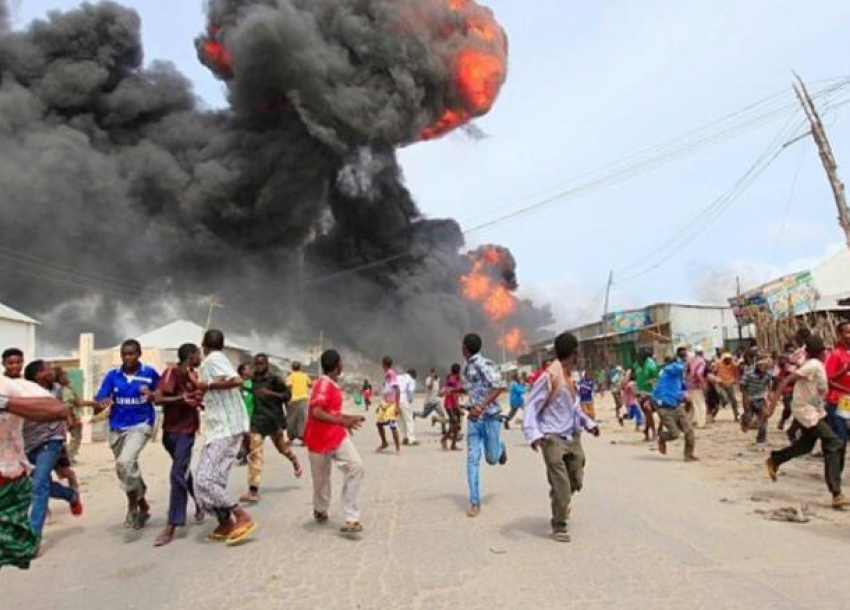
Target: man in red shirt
column 328, row 440
column 838, row 398
column 181, row 400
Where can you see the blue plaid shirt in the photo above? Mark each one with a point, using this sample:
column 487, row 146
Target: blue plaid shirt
column 480, row 377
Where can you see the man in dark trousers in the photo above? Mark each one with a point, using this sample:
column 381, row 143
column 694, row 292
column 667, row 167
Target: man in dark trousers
column 180, row 399
column 268, row 420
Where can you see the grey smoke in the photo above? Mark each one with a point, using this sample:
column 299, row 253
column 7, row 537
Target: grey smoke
column 123, row 201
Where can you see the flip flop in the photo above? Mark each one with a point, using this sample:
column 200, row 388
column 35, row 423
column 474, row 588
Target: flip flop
column 241, row 534
column 213, row 537
column 141, row 520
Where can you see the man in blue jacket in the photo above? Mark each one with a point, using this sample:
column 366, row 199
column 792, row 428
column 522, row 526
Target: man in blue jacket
column 128, row 391
column 669, row 396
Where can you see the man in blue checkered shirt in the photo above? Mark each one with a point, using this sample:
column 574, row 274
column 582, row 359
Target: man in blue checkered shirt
column 483, row 383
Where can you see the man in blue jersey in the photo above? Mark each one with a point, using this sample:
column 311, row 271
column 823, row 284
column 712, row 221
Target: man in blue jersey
column 128, row 391
column 669, row 396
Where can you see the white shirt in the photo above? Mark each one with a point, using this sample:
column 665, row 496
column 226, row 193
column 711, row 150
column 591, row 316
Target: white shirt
column 809, row 394
column 225, row 410
column 13, row 460
column 407, row 385
column 432, row 385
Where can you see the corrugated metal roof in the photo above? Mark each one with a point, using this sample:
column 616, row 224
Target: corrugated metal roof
column 7, row 313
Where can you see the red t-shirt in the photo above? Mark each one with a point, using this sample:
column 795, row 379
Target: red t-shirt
column 322, row 436
column 839, row 357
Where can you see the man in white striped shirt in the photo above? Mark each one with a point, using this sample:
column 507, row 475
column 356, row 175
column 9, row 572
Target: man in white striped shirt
column 226, row 425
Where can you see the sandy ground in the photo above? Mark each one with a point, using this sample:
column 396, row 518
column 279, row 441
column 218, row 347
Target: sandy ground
column 648, row 531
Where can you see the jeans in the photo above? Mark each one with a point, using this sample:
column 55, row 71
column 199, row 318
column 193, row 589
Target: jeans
column 839, row 426
column 806, row 442
column 482, row 437
column 179, row 447
column 44, row 487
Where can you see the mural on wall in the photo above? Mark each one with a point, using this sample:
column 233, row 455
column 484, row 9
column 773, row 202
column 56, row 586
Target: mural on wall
column 790, row 295
column 703, row 339
column 620, row 322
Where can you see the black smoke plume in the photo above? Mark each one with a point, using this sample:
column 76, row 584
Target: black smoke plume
column 124, row 203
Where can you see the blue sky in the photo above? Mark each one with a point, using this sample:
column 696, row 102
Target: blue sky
column 590, row 83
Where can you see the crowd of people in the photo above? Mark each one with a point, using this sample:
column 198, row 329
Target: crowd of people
column 239, row 408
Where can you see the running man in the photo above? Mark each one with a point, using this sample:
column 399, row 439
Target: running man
column 296, row 412
column 407, row 394
column 810, row 390
column 484, row 385
column 18, row 541
column 516, row 398
column 838, row 398
column 128, row 392
column 552, row 424
column 268, row 420
column 44, row 442
column 181, row 402
column 389, row 409
column 226, row 426
column 433, row 404
column 668, row 395
column 328, row 439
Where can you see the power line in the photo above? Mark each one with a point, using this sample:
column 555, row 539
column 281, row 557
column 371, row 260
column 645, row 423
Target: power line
column 717, row 207
column 638, row 163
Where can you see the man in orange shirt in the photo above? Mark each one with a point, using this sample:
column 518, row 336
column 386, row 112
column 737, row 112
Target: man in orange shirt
column 727, row 375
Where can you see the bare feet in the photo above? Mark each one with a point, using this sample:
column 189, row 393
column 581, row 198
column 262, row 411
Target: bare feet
column 165, row 537
column 662, row 446
column 382, row 448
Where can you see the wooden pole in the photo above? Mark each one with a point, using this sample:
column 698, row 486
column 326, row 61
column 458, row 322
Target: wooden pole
column 827, row 157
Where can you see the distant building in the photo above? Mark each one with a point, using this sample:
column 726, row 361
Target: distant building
column 661, row 328
column 816, row 297
column 17, row 330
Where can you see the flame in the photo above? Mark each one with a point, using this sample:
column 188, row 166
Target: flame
column 479, row 68
column 215, row 55
column 500, row 303
column 513, row 341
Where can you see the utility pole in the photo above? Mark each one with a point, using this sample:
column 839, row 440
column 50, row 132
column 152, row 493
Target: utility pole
column 827, row 157
column 605, row 312
column 213, row 303
column 738, row 293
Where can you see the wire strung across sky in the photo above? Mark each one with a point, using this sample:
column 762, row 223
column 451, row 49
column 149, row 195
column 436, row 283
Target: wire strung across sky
column 750, row 117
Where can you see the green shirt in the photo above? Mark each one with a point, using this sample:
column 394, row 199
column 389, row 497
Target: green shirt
column 645, row 375
column 248, row 396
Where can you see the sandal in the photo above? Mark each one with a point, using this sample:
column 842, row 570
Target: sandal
column 241, row 534
column 561, row 536
column 140, row 520
column 213, row 537
column 351, row 527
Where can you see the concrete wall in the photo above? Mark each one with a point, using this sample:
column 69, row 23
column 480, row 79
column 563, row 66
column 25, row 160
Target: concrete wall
column 18, row 334
column 704, row 326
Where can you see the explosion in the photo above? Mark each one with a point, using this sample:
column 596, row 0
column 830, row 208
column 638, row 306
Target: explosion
column 438, row 64
column 491, row 283
column 290, row 205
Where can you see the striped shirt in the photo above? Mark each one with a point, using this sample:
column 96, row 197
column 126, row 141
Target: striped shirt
column 755, row 385
column 225, row 410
